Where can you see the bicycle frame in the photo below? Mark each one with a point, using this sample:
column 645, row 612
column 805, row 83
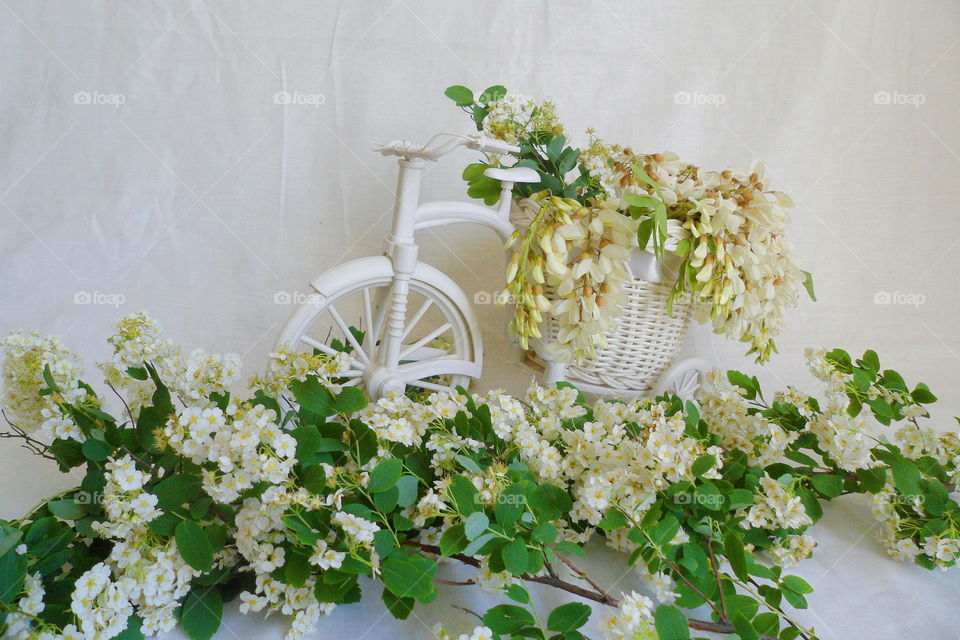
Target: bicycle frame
column 409, row 216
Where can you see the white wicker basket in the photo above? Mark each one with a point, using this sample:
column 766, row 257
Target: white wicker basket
column 646, row 339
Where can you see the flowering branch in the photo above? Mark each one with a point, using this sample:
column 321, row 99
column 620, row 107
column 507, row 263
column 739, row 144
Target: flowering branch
column 286, row 497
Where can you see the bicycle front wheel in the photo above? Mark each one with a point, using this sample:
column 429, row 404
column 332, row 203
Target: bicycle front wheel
column 440, row 346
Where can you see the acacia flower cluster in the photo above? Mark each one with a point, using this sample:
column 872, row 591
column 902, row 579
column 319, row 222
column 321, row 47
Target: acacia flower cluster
column 736, row 262
column 570, row 262
column 286, row 498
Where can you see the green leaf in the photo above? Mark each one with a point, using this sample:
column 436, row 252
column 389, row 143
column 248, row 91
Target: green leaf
column 507, row 619
column 202, row 612
column 350, row 400
column 477, row 544
column 468, row 463
column 194, row 545
column 744, row 629
column 97, row 450
column 871, row 361
column 177, row 489
column 545, row 533
column 906, row 476
column 518, row 594
column 644, row 231
column 703, row 464
column 409, row 576
column 830, row 486
column 314, row 479
column 138, row 373
column 671, row 624
column 808, row 285
column 873, row 479
column 492, row 94
column 568, row 617
column 569, row 548
column 400, row 608
column 48, row 378
column 511, row 503
column 549, row 502
column 333, row 586
column 9, row 537
column 385, row 475
column 13, row 572
column 922, row 394
column 66, row 509
column 407, row 487
column 476, row 524
column 297, row 568
column 795, row 599
column 364, row 442
column 893, row 380
column 733, row 549
column 313, row 396
column 515, row 557
column 453, row 540
column 744, row 382
column 613, row 519
column 460, row 95
column 797, row 584
column 466, row 498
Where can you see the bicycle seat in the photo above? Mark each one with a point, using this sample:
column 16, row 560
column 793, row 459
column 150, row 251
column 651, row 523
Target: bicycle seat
column 513, row 174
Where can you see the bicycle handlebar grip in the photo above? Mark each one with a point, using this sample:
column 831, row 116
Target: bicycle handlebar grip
column 490, row 145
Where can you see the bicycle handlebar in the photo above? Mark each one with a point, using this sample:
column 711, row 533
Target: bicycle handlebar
column 477, row 142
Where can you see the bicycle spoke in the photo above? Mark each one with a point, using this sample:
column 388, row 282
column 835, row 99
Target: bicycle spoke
column 436, row 333
column 416, row 318
column 368, row 316
column 378, row 322
column 348, row 334
column 330, row 351
column 430, row 386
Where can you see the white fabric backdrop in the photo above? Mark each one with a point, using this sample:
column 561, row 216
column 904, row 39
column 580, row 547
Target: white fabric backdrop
column 145, row 164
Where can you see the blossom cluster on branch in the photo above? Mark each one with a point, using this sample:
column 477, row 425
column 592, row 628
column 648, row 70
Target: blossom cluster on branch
column 292, row 498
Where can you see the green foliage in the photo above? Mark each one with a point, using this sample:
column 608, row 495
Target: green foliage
column 541, row 149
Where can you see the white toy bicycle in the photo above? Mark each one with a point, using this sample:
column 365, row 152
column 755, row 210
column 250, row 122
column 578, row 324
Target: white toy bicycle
column 417, row 327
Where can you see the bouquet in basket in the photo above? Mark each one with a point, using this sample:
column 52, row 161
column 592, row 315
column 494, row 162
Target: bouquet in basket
column 594, row 206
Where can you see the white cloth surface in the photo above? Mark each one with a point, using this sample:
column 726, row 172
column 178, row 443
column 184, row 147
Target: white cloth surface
column 146, row 164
